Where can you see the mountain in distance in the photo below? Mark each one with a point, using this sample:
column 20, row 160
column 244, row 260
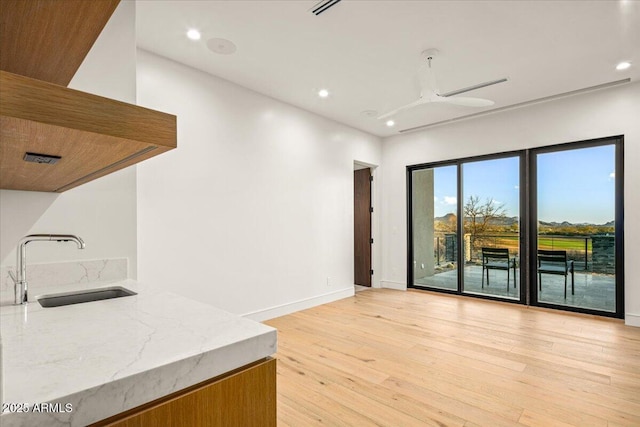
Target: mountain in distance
column 450, row 217
column 514, row 220
column 504, row 221
column 579, row 224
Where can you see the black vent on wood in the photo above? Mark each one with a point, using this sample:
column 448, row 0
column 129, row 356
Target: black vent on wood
column 41, row 158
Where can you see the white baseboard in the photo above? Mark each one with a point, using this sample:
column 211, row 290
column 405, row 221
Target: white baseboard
column 632, row 319
column 393, row 285
column 292, row 307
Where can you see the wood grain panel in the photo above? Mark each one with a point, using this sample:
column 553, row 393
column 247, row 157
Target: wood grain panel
column 362, row 226
column 93, row 135
column 245, row 398
column 415, row 358
column 49, row 39
column 38, row 101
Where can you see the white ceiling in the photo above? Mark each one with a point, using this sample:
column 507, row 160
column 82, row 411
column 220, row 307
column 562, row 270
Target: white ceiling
column 367, row 53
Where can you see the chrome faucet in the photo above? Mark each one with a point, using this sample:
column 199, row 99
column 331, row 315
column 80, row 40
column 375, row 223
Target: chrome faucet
column 20, row 279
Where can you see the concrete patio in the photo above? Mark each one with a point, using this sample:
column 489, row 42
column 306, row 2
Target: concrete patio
column 592, row 290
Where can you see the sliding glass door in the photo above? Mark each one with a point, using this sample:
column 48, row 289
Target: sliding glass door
column 435, row 227
column 578, row 197
column 542, row 226
column 465, row 227
column 491, row 220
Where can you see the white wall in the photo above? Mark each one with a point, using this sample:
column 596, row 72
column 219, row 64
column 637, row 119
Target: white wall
column 254, row 209
column 597, row 114
column 102, row 212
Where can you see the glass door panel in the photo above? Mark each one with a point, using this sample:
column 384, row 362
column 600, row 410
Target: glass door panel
column 576, row 247
column 435, row 227
column 491, row 194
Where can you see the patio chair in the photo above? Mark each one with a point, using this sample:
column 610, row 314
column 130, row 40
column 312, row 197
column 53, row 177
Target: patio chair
column 555, row 262
column 498, row 259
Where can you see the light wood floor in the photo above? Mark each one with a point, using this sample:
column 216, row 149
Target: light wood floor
column 394, row 358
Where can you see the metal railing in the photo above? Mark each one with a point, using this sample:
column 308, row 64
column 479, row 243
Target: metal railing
column 579, row 248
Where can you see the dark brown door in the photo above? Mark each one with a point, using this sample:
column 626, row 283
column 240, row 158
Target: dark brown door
column 362, row 226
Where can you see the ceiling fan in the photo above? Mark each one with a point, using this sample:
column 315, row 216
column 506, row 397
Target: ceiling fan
column 429, row 92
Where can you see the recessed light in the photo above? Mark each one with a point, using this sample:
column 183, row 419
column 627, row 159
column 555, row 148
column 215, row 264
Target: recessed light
column 194, row 34
column 390, row 123
column 323, row 93
column 623, row 65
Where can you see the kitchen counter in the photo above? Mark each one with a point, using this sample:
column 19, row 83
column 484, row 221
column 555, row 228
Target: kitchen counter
column 101, row 358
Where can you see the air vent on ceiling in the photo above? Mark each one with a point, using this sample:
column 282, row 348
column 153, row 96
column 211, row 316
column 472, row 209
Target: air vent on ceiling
column 323, row 5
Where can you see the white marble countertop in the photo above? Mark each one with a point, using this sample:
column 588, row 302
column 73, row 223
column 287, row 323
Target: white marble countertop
column 105, row 357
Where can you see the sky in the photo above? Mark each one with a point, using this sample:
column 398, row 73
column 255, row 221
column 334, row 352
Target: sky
column 573, row 185
column 577, row 185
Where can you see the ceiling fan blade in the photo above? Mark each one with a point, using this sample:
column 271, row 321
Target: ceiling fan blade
column 474, row 87
column 429, row 89
column 404, row 107
column 468, row 102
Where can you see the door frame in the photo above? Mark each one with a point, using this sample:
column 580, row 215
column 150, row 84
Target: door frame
column 460, row 224
column 528, row 222
column 618, row 142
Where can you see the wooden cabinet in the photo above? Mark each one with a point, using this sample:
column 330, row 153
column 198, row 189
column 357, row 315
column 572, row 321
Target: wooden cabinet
column 242, row 398
column 92, row 135
column 48, row 39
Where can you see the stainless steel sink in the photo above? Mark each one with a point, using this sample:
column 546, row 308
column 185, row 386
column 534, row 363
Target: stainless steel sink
column 88, row 295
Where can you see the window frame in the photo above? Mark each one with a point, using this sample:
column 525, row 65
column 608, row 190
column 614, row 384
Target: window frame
column 528, row 223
